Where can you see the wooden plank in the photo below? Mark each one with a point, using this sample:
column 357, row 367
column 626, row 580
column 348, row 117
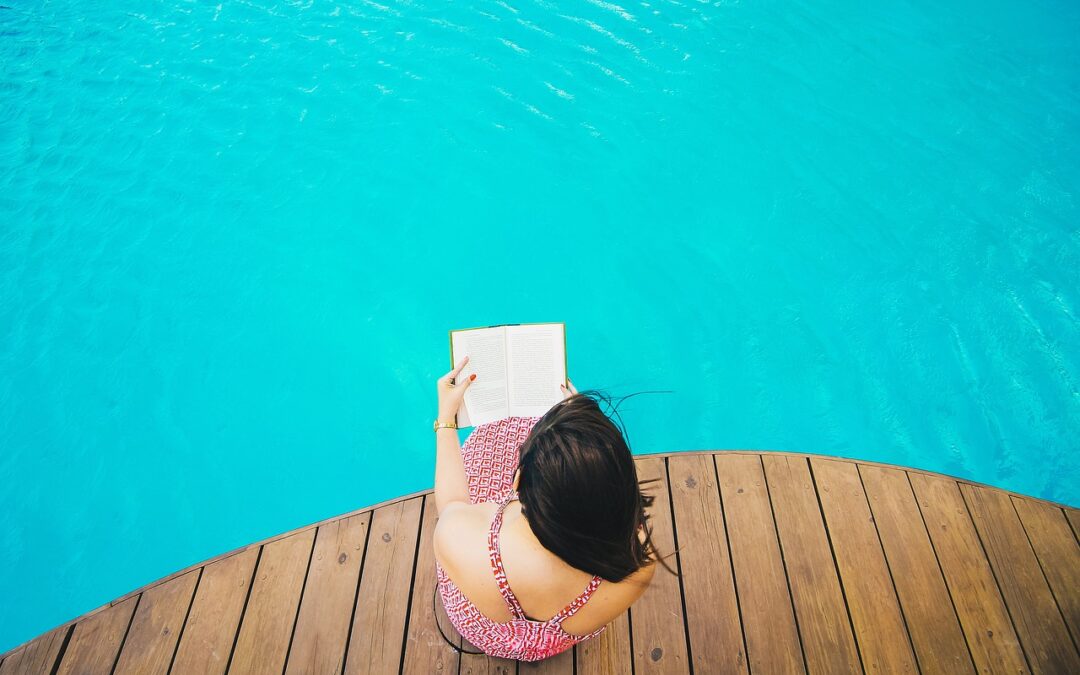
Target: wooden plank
column 823, row 620
column 608, row 653
column 212, row 623
column 1035, row 615
column 39, row 656
column 931, row 619
column 562, row 664
column 1058, row 554
column 875, row 610
column 659, row 635
column 772, row 639
column 151, row 640
column 268, row 620
column 482, row 664
column 987, row 627
column 426, row 651
column 322, row 627
column 712, row 609
column 379, row 622
column 96, row 641
column 1074, row 520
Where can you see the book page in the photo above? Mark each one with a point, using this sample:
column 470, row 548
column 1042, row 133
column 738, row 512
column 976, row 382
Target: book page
column 536, row 366
column 485, row 399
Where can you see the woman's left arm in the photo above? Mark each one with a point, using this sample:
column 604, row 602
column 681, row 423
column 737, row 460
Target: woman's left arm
column 451, row 484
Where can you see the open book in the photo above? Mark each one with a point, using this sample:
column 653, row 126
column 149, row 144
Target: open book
column 518, row 367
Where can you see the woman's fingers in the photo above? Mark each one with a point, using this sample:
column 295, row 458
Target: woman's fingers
column 457, row 369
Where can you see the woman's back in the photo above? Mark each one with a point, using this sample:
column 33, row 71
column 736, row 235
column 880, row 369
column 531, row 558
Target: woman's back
column 541, row 539
column 542, row 583
column 505, row 592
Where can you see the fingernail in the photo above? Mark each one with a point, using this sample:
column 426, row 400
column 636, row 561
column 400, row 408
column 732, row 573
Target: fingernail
column 472, row 377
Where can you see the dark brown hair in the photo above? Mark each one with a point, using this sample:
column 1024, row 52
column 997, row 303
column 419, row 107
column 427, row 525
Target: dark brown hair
column 580, row 493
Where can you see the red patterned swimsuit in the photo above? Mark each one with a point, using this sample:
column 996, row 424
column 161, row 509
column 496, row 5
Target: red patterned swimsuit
column 490, row 455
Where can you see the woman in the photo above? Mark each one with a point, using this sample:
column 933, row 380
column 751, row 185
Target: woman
column 519, row 535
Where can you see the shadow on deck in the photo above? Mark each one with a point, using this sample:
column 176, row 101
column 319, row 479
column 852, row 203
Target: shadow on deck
column 789, row 563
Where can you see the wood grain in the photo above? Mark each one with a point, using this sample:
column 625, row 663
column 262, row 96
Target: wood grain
column 986, row 623
column 95, row 643
column 155, row 628
column 883, row 639
column 659, row 633
column 271, row 609
column 712, row 610
column 378, row 631
column 1073, row 517
column 1035, row 614
column 932, row 623
column 214, row 618
column 772, row 639
column 1058, row 553
column 39, row 656
column 322, row 627
column 482, row 664
column 608, row 653
column 776, row 569
column 822, row 615
column 426, row 651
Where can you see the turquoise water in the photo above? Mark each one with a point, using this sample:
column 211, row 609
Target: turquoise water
column 233, row 238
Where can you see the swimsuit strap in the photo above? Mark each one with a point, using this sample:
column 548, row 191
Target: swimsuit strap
column 578, row 602
column 504, row 586
column 496, row 559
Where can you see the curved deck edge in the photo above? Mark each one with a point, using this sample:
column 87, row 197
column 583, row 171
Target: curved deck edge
column 1071, row 513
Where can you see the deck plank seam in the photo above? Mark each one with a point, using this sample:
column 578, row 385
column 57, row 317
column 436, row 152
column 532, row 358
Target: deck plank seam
column 1076, row 535
column 731, row 562
column 300, row 600
column 356, row 593
column 783, row 563
column 997, row 582
column 986, row 537
column 183, row 626
column 630, row 632
column 1046, row 579
column 941, row 571
column 63, row 650
column 888, row 568
column 678, row 566
column 412, row 582
column 123, row 641
column 836, row 565
column 243, row 610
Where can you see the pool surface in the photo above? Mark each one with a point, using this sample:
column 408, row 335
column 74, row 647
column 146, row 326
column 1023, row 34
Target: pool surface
column 233, row 239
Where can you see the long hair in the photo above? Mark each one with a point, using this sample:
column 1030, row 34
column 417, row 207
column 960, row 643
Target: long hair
column 580, row 493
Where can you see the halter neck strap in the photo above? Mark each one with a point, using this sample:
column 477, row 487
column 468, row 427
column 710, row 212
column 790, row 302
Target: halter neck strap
column 496, row 558
column 512, row 602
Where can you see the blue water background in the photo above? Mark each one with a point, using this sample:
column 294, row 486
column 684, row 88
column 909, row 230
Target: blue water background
column 233, row 239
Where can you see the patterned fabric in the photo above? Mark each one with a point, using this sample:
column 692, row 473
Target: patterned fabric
column 490, row 455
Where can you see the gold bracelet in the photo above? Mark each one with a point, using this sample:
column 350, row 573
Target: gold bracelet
column 445, row 425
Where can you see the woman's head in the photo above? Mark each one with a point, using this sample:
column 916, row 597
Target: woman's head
column 579, row 490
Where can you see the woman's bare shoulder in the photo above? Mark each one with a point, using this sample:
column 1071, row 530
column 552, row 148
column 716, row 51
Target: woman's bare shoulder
column 457, row 528
column 610, row 600
column 631, row 588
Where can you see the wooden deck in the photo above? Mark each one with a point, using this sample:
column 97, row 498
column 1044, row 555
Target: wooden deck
column 789, row 563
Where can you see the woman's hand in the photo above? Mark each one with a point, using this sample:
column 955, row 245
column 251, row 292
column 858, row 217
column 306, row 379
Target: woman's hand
column 568, row 391
column 451, row 395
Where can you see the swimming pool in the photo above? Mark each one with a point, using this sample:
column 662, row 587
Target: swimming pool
column 233, row 237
